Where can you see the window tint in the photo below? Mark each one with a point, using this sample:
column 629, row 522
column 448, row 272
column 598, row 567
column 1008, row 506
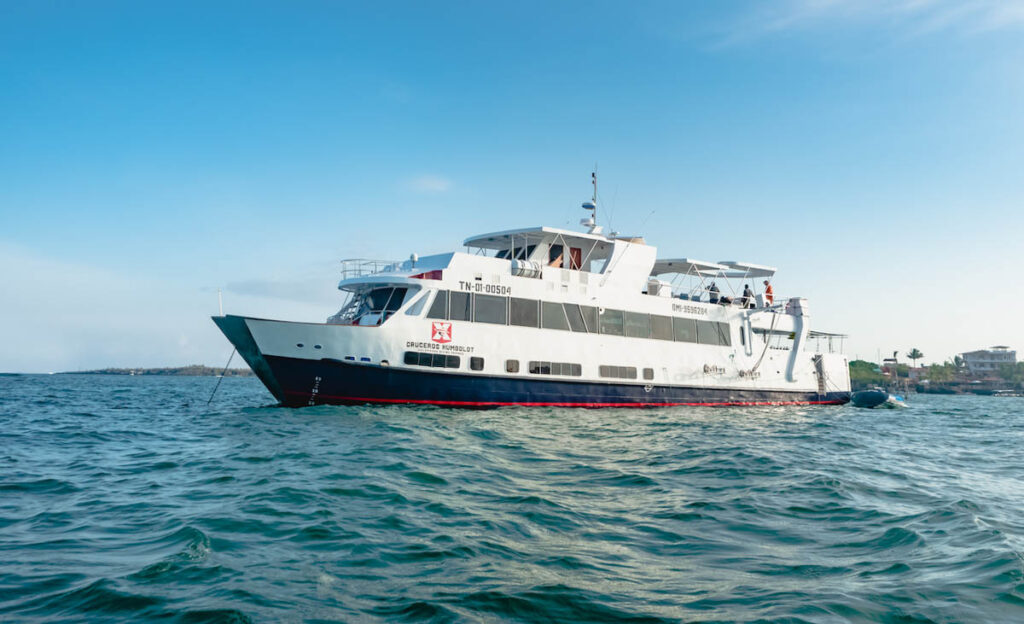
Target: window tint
column 439, row 308
column 567, row 369
column 511, row 366
column 611, row 322
column 552, row 316
column 555, row 256
column 590, row 318
column 524, row 312
column 490, row 309
column 395, row 300
column 436, row 360
column 617, row 372
column 575, row 315
column 476, row 363
column 417, row 307
column 459, row 309
column 685, row 330
column 724, row 335
column 661, row 327
column 715, row 333
column 638, row 325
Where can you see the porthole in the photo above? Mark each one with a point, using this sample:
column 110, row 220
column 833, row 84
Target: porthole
column 299, row 345
column 318, row 346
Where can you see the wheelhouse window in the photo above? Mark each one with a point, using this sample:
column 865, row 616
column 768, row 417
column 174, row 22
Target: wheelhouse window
column 439, row 308
column 490, row 309
column 524, row 312
column 371, row 307
column 553, row 316
column 460, row 306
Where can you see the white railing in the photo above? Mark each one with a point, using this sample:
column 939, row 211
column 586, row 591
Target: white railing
column 358, row 267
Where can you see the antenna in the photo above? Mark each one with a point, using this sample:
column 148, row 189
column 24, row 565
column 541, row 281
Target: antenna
column 591, row 222
column 220, row 302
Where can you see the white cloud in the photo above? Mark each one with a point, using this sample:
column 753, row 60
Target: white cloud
column 430, row 184
column 913, row 16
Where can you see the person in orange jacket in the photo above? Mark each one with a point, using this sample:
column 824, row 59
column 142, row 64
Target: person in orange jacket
column 769, row 295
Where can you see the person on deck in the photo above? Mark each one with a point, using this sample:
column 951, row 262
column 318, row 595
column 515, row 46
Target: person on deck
column 747, row 301
column 713, row 293
column 769, row 294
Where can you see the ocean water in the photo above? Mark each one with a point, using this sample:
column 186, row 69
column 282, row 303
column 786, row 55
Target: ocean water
column 127, row 499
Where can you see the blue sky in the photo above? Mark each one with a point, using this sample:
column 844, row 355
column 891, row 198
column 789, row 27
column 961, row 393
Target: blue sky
column 151, row 153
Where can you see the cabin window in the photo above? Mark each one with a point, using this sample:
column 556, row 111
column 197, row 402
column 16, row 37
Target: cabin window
column 661, row 327
column 713, row 333
column 707, row 333
column 459, row 309
column 511, row 366
column 553, row 316
column 566, row 369
column 684, row 329
column 724, row 334
column 490, row 309
column 611, row 322
column 417, row 307
column 555, row 256
column 617, row 372
column 638, row 325
column 476, row 363
column 743, row 336
column 524, row 312
column 575, row 317
column 435, row 360
column 439, row 308
column 590, row 316
column 648, row 373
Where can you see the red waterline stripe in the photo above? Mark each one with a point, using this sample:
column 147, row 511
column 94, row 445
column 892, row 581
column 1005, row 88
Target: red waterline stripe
column 563, row 404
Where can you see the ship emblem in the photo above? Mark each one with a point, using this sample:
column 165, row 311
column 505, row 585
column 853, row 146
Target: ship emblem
column 441, row 332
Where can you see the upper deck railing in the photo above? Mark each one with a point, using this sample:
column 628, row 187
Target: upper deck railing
column 358, row 267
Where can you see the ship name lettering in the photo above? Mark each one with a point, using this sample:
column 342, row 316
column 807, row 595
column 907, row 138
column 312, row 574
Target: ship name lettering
column 433, row 346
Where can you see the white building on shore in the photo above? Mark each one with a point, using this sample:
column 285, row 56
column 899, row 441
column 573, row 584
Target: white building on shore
column 988, row 361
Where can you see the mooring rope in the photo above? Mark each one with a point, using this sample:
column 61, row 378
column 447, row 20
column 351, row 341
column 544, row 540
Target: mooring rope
column 222, row 375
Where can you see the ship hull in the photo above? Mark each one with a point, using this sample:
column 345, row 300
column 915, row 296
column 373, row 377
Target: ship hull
column 311, row 382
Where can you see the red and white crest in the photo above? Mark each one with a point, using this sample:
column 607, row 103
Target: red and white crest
column 441, row 332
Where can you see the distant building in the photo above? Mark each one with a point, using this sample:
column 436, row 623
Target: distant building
column 988, row 361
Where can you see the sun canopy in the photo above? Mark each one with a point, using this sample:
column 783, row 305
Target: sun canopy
column 747, row 269
column 687, row 266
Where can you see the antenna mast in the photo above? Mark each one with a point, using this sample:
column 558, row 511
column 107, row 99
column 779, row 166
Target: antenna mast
column 591, row 205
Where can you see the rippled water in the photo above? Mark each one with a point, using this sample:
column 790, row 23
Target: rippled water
column 128, row 499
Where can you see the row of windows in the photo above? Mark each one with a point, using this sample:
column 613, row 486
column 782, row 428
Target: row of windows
column 617, row 372
column 567, row 369
column 436, row 360
column 461, row 306
column 555, row 368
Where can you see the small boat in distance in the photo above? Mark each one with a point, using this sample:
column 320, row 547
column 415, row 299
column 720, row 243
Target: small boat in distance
column 552, row 317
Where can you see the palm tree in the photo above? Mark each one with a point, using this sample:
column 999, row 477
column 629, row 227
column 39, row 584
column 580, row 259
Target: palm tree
column 915, row 355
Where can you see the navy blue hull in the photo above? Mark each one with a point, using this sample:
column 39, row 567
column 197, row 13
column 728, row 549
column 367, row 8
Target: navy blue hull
column 297, row 382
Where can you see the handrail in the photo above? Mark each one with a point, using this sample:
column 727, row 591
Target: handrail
column 358, row 267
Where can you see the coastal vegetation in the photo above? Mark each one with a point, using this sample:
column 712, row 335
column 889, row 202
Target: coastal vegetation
column 195, row 370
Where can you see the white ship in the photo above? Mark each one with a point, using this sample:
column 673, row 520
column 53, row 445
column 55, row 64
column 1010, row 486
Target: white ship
column 552, row 317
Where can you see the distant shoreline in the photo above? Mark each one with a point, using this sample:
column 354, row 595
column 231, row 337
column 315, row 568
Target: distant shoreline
column 180, row 371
